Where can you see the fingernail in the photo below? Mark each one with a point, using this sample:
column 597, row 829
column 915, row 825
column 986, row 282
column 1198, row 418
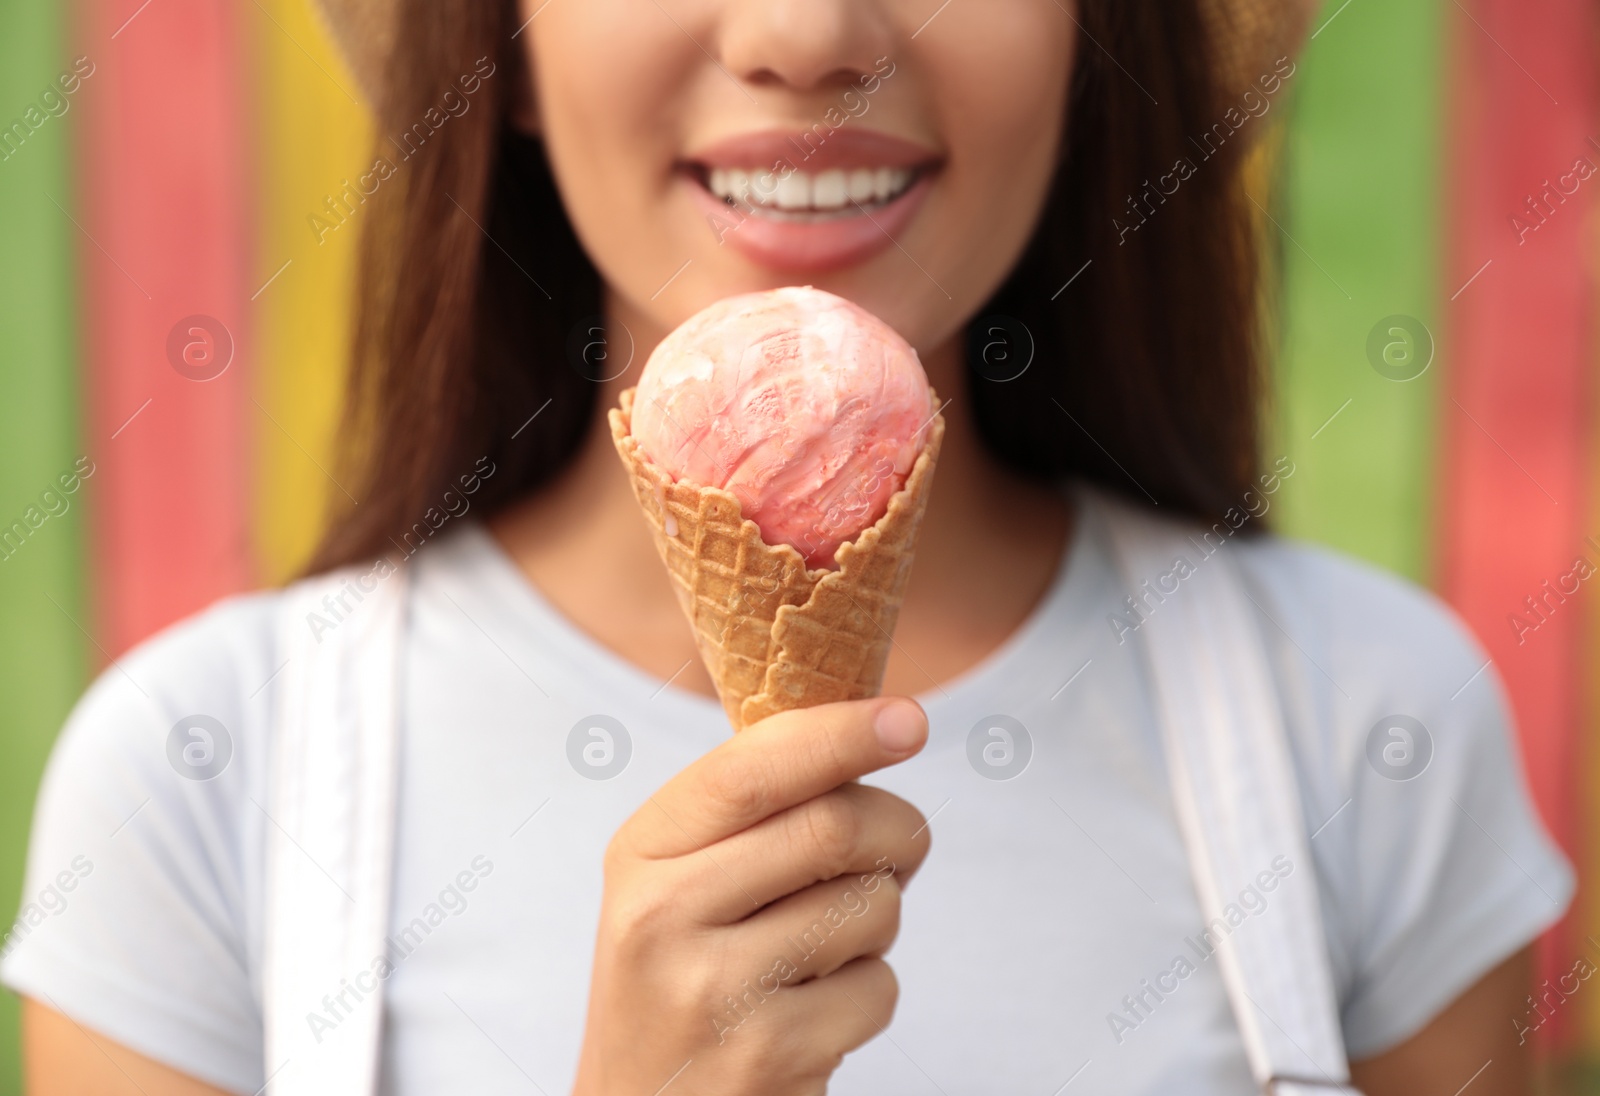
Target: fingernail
column 899, row 725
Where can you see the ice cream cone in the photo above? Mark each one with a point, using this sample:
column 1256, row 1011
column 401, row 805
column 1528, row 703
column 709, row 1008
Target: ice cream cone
column 774, row 634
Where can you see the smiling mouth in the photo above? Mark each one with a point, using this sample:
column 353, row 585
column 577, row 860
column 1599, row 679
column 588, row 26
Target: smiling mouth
column 808, row 195
column 858, row 190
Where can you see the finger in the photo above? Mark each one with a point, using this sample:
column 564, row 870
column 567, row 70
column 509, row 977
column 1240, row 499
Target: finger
column 847, row 1008
column 825, row 926
column 799, row 1032
column 849, row 832
column 772, row 765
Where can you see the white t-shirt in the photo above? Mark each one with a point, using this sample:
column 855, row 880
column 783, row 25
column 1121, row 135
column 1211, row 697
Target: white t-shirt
column 1050, row 903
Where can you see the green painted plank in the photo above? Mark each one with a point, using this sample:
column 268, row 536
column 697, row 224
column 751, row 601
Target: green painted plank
column 1360, row 210
column 44, row 660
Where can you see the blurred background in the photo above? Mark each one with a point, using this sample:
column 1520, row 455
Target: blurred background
column 175, row 268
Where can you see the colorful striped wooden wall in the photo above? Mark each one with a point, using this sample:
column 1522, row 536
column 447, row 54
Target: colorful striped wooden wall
column 1358, row 231
column 166, row 201
column 159, row 226
column 315, row 135
column 1517, row 422
column 44, row 605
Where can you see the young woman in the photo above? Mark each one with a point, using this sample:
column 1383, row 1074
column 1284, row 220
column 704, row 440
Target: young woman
column 1045, row 199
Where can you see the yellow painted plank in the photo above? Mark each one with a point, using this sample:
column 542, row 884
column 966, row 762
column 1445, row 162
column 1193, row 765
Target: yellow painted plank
column 315, row 138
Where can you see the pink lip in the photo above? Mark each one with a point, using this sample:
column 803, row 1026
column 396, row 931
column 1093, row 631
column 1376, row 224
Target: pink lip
column 811, row 247
column 808, row 151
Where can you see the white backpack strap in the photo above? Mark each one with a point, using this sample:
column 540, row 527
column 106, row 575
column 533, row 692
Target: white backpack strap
column 1236, row 795
column 330, row 831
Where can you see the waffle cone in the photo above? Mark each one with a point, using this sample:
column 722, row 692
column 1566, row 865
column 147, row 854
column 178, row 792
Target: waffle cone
column 773, row 633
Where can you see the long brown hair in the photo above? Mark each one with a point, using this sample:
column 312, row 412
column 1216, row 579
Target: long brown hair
column 472, row 286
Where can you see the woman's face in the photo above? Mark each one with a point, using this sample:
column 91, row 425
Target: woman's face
column 895, row 152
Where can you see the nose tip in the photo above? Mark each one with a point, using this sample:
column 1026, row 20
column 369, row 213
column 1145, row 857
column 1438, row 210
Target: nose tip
column 802, row 45
column 808, row 78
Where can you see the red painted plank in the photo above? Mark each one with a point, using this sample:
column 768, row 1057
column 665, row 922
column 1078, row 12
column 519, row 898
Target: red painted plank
column 163, row 211
column 1518, row 353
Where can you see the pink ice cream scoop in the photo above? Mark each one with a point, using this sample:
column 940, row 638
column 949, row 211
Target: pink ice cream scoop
column 807, row 408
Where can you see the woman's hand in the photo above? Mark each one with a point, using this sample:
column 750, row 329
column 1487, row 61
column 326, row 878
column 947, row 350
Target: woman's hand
column 747, row 907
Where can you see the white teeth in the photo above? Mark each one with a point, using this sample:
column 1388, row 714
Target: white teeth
column 829, row 191
column 861, row 187
column 763, row 188
column 794, row 191
column 800, row 191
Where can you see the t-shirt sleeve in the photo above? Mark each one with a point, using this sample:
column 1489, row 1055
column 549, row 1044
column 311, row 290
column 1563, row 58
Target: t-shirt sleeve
column 134, row 916
column 1453, row 871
